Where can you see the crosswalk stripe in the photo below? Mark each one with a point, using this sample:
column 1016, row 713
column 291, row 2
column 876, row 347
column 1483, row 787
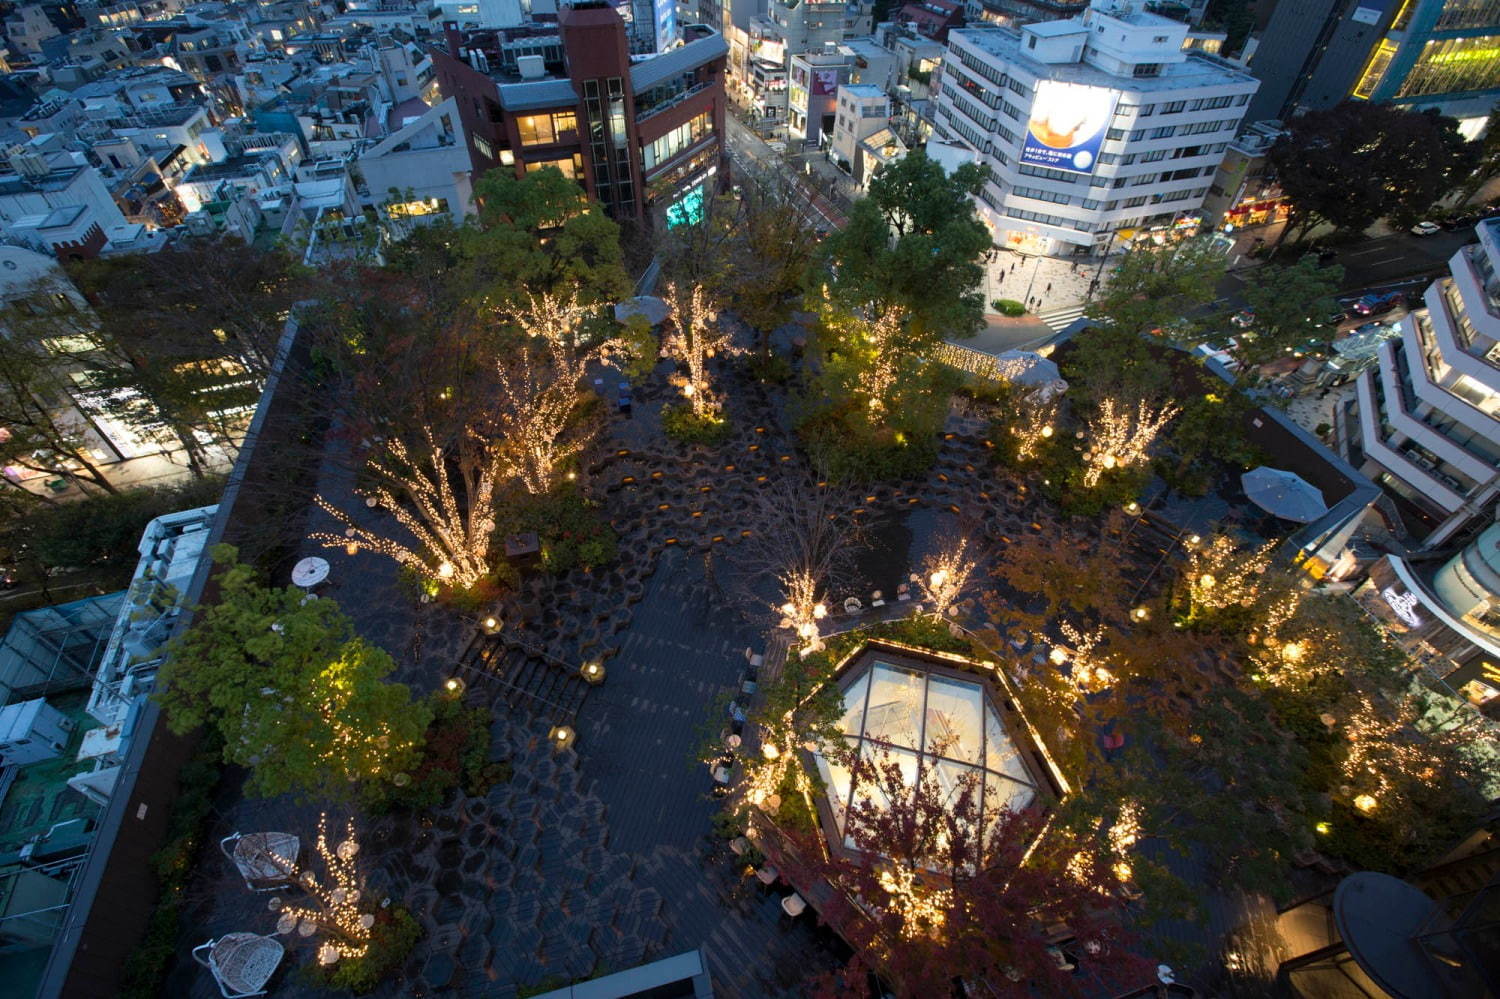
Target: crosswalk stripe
column 1059, row 319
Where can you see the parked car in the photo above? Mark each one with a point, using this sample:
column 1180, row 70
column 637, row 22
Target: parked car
column 1455, row 222
column 1374, row 305
column 1426, row 229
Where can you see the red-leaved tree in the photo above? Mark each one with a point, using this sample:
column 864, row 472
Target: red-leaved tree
column 942, row 889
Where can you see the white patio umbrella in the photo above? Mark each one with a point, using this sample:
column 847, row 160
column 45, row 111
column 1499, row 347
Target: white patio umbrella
column 654, row 309
column 1283, row 494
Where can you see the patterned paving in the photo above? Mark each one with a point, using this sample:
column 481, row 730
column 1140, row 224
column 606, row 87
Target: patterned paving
column 598, row 857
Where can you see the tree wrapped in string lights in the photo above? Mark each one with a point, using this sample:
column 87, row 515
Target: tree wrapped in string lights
column 450, row 540
column 540, row 396
column 1224, row 581
column 946, row 572
column 1118, row 438
column 881, row 342
column 695, row 340
column 1089, row 669
column 336, row 903
column 945, row 881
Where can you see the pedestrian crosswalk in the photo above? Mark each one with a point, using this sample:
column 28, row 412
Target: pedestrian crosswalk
column 1060, row 318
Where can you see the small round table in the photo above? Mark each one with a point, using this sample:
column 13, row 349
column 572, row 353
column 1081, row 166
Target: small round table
column 309, row 572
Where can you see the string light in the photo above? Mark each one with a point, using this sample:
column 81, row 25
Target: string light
column 1220, row 575
column 945, row 573
column 334, row 900
column 878, row 377
column 1120, row 440
column 446, row 533
column 694, row 342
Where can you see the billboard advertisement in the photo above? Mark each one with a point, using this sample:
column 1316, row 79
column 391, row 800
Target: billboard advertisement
column 1067, row 126
column 825, row 82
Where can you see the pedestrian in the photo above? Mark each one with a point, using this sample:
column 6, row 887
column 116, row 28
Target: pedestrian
column 1049, row 287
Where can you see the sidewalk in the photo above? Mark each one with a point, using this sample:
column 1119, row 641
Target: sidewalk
column 1054, row 289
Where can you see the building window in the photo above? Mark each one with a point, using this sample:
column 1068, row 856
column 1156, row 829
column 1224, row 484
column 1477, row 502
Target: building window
column 546, row 129
column 1147, row 69
column 677, row 140
column 570, row 167
column 418, row 208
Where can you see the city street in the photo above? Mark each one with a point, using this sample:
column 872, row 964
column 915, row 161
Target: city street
column 752, row 157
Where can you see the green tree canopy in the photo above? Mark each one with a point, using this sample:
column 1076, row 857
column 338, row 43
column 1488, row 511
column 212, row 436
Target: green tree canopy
column 538, row 233
column 915, row 242
column 299, row 698
column 1290, row 304
column 1148, row 298
column 1351, row 165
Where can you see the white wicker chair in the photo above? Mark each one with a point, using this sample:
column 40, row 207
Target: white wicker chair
column 266, row 860
column 241, row 963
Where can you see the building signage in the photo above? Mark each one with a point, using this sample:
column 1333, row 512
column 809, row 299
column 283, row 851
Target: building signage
column 1404, row 604
column 1067, row 126
column 825, row 82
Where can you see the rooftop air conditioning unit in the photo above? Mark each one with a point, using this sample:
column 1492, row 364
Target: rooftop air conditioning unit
column 530, row 67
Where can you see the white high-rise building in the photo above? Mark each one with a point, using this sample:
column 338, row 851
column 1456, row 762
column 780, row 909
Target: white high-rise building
column 1091, row 125
column 1427, row 425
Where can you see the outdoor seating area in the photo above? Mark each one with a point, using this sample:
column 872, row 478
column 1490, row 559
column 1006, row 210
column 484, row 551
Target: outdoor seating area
column 267, row 861
column 242, row 963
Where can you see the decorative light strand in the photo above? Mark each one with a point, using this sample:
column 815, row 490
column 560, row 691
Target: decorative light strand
column 1119, row 440
column 451, row 544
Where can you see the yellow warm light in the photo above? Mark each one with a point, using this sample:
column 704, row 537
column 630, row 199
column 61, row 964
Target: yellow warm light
column 1365, row 803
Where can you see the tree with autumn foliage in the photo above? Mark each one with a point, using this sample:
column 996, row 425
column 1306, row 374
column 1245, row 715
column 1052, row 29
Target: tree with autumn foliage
column 940, row 883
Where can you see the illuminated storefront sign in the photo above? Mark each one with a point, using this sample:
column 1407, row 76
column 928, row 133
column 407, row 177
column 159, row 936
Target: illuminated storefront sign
column 1404, row 605
column 1067, row 126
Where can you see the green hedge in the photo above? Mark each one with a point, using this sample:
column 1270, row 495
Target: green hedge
column 1008, row 307
column 174, row 863
column 572, row 533
column 680, row 424
column 103, row 531
column 395, row 933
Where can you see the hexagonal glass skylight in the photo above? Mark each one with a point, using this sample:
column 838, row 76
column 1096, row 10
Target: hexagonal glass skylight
column 923, row 719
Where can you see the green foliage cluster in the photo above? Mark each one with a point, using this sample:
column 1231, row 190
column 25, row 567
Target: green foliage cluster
column 573, row 533
column 914, row 242
column 392, row 939
column 101, row 532
column 769, row 366
column 297, row 696
column 173, row 864
column 1402, row 161
column 1008, row 307
column 848, row 436
column 455, row 752
column 680, row 423
column 1291, row 304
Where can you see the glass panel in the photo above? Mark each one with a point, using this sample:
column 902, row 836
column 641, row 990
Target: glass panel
column 836, row 780
column 955, row 778
column 1001, row 754
column 854, row 705
column 1009, row 794
column 895, row 714
column 953, row 713
column 880, row 757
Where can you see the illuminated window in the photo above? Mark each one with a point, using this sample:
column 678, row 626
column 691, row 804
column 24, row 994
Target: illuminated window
column 417, row 209
column 677, row 140
column 570, row 167
column 545, row 129
column 1452, row 65
column 1380, row 61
